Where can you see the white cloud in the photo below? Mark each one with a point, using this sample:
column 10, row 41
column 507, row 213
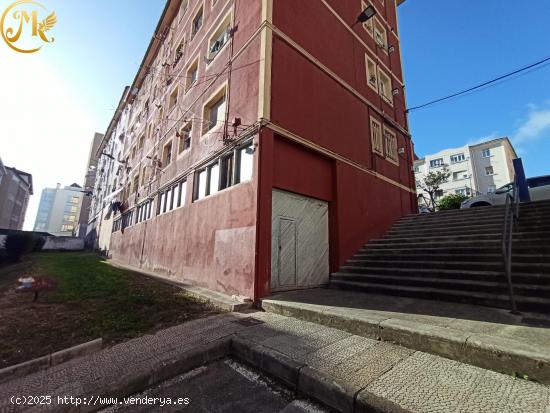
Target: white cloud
column 491, row 136
column 535, row 126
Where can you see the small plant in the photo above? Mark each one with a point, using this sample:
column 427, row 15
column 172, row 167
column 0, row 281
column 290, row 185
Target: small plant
column 451, row 201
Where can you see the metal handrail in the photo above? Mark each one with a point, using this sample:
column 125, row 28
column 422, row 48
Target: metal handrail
column 511, row 216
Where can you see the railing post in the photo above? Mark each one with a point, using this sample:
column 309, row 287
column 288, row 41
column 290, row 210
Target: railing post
column 511, row 213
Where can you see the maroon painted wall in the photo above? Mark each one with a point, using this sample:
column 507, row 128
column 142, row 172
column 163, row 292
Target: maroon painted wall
column 307, row 102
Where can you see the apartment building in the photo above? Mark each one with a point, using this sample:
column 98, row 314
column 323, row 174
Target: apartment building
column 110, row 177
column 15, row 191
column 475, row 169
column 89, row 184
column 261, row 143
column 59, row 210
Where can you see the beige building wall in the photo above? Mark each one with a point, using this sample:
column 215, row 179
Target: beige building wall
column 475, row 169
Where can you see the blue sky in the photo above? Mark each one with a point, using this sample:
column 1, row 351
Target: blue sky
column 54, row 100
column 448, row 46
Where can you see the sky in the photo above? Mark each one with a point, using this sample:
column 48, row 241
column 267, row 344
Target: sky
column 52, row 101
column 449, row 46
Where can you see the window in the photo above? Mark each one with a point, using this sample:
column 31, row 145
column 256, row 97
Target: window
column 70, row 218
column 201, row 184
column 74, row 200
column 184, row 138
column 379, row 34
column 73, row 209
column 136, row 183
column 463, row 191
column 228, row 170
column 246, row 163
column 67, row 228
column 192, row 74
column 178, row 54
column 384, row 84
column 486, row 153
column 213, row 179
column 460, row 175
column 372, row 78
column 197, row 23
column 167, row 154
column 457, row 158
column 220, row 37
column 181, row 193
column 491, row 189
column 376, row 136
column 141, row 141
column 391, row 145
column 368, row 25
column 489, row 170
column 173, row 101
column 435, row 163
column 214, row 111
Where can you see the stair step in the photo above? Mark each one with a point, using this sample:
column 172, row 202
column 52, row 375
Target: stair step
column 462, row 232
column 492, row 287
column 438, row 255
column 496, row 265
column 496, row 219
column 522, row 276
column 526, row 237
column 472, row 297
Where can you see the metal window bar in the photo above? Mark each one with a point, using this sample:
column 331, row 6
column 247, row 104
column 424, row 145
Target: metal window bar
column 511, row 217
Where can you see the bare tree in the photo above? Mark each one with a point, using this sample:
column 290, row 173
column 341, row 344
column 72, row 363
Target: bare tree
column 432, row 182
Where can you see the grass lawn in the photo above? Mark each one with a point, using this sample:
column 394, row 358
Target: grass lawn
column 92, row 299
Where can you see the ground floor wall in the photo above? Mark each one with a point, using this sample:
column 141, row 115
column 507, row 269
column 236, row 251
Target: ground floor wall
column 224, row 242
column 210, row 242
column 361, row 206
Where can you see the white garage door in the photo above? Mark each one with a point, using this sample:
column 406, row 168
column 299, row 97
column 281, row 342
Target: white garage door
column 299, row 242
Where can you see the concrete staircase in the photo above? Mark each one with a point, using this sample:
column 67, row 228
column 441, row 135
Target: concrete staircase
column 456, row 256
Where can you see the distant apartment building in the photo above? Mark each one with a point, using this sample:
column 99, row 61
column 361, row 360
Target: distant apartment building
column 89, row 183
column 109, row 178
column 475, row 169
column 59, row 210
column 15, row 191
column 260, row 144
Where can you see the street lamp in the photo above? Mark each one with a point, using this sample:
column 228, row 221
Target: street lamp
column 366, row 14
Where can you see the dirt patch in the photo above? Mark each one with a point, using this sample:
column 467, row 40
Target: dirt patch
column 122, row 305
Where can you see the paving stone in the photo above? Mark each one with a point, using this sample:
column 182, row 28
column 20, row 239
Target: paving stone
column 427, row 383
column 336, row 353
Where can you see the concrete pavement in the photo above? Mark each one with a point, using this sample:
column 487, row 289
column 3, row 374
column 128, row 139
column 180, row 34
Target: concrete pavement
column 485, row 337
column 344, row 371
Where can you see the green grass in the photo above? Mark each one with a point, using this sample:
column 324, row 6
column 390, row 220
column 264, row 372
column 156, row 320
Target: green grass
column 92, row 299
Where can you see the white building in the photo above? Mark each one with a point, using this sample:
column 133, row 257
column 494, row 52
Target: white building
column 475, row 169
column 59, row 210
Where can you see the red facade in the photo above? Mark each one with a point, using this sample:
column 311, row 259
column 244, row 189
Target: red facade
column 300, row 78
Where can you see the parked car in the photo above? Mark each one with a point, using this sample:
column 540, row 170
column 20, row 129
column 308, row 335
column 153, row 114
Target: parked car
column 539, row 189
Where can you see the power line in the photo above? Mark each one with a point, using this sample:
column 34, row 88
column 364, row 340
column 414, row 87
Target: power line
column 484, row 84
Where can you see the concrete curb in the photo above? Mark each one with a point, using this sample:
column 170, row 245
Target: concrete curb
column 482, row 350
column 219, row 300
column 310, row 381
column 41, row 363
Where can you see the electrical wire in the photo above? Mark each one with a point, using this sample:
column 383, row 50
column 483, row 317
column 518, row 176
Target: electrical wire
column 480, row 86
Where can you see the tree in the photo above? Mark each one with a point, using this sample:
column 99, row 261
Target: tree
column 451, row 201
column 432, row 182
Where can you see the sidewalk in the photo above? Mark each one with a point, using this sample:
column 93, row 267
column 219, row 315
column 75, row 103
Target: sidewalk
column 342, row 370
column 490, row 338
